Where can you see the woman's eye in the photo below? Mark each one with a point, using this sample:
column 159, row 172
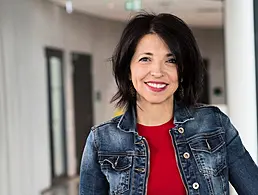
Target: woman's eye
column 172, row 60
column 144, row 59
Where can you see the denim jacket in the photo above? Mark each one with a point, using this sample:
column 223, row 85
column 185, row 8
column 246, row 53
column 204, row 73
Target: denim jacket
column 209, row 153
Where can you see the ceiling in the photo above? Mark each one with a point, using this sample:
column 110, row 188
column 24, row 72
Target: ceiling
column 202, row 13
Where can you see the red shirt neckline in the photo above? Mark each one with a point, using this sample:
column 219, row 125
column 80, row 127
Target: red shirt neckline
column 166, row 125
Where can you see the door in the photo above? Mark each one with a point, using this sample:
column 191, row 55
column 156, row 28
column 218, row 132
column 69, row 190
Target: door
column 83, row 103
column 57, row 132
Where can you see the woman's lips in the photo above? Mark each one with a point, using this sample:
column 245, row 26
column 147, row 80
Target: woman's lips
column 156, row 86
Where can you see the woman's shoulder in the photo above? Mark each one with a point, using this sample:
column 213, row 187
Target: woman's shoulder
column 206, row 106
column 107, row 124
column 200, row 107
column 208, row 111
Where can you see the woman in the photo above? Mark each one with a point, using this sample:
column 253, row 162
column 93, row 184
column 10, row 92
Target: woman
column 165, row 143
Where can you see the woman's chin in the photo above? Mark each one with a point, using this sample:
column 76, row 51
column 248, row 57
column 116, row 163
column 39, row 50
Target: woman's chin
column 157, row 100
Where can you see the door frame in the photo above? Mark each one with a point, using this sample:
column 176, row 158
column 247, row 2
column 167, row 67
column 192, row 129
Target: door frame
column 50, row 51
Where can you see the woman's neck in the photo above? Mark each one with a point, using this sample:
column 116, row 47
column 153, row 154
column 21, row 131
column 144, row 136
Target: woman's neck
column 154, row 114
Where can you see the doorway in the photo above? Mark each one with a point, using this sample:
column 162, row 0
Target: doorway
column 83, row 101
column 56, row 102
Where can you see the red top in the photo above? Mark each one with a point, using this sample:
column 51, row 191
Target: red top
column 164, row 175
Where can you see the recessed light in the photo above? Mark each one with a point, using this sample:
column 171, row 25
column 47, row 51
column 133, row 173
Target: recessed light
column 133, row 5
column 69, row 6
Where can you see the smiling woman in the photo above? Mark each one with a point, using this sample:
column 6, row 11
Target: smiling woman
column 164, row 133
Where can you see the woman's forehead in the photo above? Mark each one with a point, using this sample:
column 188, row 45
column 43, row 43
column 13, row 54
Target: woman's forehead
column 152, row 43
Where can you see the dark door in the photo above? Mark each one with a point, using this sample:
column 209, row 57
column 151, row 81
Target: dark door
column 204, row 98
column 57, row 132
column 83, row 104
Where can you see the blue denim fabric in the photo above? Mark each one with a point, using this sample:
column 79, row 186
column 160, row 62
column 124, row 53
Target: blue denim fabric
column 208, row 148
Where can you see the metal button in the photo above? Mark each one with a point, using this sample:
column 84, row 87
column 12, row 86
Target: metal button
column 140, row 142
column 140, row 169
column 196, row 185
column 186, row 155
column 181, row 130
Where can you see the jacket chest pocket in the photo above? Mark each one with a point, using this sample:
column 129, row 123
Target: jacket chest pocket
column 117, row 170
column 209, row 151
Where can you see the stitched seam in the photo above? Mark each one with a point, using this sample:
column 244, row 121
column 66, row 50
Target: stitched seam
column 232, row 139
column 183, row 172
column 205, row 135
column 133, row 175
column 95, row 141
column 112, row 121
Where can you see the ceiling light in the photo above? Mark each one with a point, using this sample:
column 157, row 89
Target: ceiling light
column 133, row 5
column 69, row 6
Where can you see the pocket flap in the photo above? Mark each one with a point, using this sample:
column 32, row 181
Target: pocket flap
column 208, row 143
column 118, row 163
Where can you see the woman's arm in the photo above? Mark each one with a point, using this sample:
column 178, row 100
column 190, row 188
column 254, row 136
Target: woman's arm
column 92, row 180
column 243, row 172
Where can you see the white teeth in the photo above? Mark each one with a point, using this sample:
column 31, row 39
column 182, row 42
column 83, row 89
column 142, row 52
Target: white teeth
column 156, row 85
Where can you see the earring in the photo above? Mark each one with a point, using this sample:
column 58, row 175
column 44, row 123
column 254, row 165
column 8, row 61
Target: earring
column 181, row 91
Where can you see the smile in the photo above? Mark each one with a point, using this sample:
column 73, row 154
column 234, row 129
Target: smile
column 156, row 86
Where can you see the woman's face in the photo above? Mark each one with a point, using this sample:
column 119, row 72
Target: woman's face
column 154, row 71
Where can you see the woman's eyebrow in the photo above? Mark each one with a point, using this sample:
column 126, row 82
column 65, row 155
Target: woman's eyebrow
column 147, row 53
column 171, row 55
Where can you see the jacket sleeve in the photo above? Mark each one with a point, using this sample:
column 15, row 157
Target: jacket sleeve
column 92, row 180
column 243, row 172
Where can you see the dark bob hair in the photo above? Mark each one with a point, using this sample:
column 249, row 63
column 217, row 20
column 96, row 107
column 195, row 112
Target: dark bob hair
column 181, row 42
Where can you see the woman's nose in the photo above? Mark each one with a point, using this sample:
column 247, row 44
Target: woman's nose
column 157, row 74
column 156, row 70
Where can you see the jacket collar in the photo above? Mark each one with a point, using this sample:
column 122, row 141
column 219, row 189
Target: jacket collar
column 128, row 120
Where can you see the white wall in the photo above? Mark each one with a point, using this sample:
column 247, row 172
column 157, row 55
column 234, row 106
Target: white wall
column 27, row 26
column 4, row 179
column 26, row 140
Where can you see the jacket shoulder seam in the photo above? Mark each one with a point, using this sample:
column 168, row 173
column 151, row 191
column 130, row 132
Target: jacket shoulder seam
column 112, row 121
column 200, row 106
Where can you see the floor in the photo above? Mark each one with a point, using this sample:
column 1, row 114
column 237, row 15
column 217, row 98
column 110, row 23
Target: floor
column 68, row 188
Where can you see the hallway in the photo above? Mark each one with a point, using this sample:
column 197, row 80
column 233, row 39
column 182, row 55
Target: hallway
column 68, row 188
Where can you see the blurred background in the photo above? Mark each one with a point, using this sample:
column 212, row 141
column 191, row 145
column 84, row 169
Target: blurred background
column 56, row 80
